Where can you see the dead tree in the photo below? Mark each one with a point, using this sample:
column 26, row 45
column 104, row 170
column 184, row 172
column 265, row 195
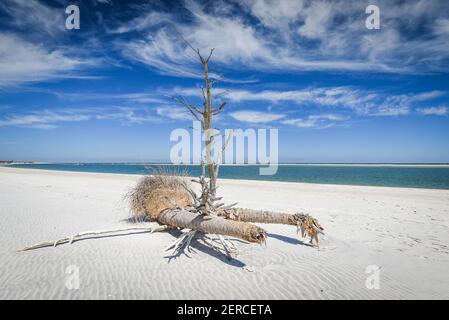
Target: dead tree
column 205, row 116
column 171, row 202
column 174, row 204
column 207, row 202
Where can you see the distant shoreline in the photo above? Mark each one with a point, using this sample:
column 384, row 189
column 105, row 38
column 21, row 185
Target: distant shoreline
column 15, row 163
column 388, row 175
column 414, row 165
column 277, row 183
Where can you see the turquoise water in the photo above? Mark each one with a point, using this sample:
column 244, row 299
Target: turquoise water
column 388, row 175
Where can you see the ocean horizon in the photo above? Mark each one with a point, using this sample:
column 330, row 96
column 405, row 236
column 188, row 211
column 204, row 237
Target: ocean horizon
column 402, row 175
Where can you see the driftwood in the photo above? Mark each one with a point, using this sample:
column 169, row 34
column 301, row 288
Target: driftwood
column 83, row 235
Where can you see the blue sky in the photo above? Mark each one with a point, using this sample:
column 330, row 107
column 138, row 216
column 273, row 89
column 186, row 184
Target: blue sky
column 337, row 91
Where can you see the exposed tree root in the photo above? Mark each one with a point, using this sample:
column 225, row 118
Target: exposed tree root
column 228, row 246
column 182, row 243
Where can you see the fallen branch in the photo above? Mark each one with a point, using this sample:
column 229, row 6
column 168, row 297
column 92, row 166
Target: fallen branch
column 79, row 236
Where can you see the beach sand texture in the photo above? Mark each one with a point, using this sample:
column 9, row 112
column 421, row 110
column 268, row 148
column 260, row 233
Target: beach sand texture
column 405, row 232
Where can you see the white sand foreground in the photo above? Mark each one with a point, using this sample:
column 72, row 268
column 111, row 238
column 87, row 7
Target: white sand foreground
column 405, row 232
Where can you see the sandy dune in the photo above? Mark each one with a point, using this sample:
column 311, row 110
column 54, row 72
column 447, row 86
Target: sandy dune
column 405, row 232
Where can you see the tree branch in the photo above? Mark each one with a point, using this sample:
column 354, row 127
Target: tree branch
column 210, row 54
column 191, row 108
column 218, row 110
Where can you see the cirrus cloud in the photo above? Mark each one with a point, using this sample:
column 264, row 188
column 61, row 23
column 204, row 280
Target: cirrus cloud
column 293, row 36
column 433, row 111
column 256, row 116
column 23, row 62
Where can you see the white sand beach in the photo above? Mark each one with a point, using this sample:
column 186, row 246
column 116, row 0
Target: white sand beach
column 405, row 232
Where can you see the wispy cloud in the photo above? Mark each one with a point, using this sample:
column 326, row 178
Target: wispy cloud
column 135, row 97
column 42, row 120
column 360, row 101
column 258, row 35
column 295, row 36
column 312, row 121
column 301, row 123
column 36, row 47
column 433, row 111
column 125, row 115
column 329, row 117
column 317, row 121
column 33, row 16
column 174, row 113
column 320, row 107
column 24, row 62
column 51, row 119
column 256, row 116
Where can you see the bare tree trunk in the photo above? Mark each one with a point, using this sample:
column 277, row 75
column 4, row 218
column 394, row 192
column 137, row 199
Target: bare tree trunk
column 207, row 116
column 212, row 224
column 305, row 223
column 260, row 216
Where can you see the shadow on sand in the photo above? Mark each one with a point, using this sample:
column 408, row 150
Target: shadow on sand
column 201, row 242
column 289, row 240
column 206, row 244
